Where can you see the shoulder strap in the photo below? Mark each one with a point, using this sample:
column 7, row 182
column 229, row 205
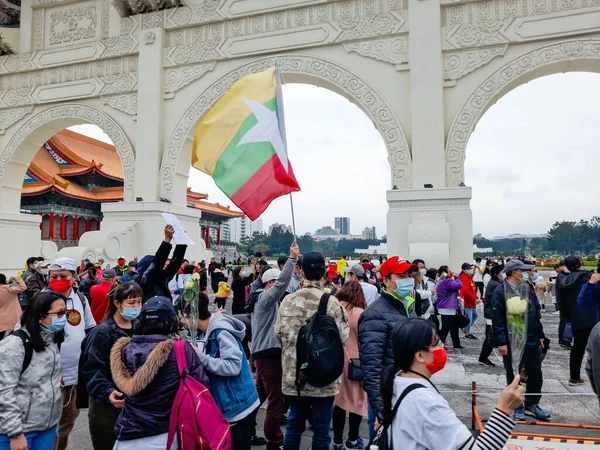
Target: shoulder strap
column 323, row 303
column 84, row 302
column 180, row 356
column 406, row 391
column 28, row 348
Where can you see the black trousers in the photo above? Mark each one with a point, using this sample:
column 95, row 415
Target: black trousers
column 532, row 363
column 339, row 421
column 561, row 329
column 450, row 325
column 580, row 340
column 486, row 348
column 102, row 418
column 479, row 288
column 242, row 431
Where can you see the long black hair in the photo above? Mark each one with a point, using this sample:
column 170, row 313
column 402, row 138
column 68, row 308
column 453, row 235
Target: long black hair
column 37, row 310
column 495, row 272
column 120, row 292
column 408, row 337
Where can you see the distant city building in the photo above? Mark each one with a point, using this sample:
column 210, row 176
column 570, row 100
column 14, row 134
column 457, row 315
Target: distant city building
column 240, row 228
column 342, row 225
column 380, row 249
column 281, row 226
column 369, row 233
column 326, row 231
column 519, row 236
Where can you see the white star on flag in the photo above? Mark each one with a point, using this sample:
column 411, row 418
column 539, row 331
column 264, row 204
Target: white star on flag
column 266, row 130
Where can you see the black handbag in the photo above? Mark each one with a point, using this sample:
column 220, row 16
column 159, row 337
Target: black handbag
column 354, row 370
column 462, row 320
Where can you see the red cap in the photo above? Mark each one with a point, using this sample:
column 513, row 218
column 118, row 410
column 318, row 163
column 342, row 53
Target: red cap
column 397, row 266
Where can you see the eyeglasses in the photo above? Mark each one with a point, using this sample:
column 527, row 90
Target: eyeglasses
column 58, row 314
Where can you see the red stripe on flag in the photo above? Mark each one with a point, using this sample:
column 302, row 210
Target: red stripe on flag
column 268, row 183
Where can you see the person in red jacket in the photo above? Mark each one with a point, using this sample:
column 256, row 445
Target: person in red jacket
column 99, row 294
column 469, row 295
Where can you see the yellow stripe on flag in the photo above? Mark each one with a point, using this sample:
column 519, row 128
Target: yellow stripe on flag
column 221, row 123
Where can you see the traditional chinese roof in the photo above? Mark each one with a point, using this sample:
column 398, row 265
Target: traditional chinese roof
column 79, row 166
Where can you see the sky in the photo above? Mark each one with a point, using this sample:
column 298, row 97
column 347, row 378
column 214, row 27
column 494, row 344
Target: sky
column 532, row 160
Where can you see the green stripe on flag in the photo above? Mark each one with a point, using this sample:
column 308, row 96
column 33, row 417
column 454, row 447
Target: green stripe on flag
column 237, row 164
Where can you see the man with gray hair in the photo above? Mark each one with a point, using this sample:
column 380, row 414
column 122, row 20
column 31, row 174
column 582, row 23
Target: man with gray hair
column 79, row 321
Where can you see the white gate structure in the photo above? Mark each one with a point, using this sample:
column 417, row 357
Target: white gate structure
column 145, row 71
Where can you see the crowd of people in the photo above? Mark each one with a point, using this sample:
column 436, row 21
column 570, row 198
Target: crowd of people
column 116, row 341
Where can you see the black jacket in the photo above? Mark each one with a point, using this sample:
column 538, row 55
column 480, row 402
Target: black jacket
column 568, row 287
column 238, row 287
column 94, row 366
column 487, row 301
column 155, row 280
column 375, row 343
column 535, row 330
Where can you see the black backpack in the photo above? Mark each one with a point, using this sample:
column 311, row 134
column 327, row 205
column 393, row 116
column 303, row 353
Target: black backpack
column 27, row 345
column 319, row 350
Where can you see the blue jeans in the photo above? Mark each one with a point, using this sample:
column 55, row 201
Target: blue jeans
column 36, row 440
column 322, row 413
column 371, row 420
column 473, row 315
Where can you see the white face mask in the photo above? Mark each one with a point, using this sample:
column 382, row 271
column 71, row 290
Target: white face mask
column 45, row 272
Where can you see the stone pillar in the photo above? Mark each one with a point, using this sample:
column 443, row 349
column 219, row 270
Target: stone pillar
column 51, row 230
column 435, row 225
column 426, row 93
column 63, row 232
column 75, row 228
column 219, row 236
column 88, row 224
column 20, row 238
column 149, row 139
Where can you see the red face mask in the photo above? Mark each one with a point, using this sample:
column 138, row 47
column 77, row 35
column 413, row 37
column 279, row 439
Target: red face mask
column 440, row 357
column 60, row 285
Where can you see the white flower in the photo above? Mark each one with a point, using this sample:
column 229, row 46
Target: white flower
column 516, row 305
column 196, row 276
column 188, row 285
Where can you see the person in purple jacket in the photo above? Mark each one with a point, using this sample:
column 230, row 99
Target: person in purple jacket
column 447, row 302
column 144, row 368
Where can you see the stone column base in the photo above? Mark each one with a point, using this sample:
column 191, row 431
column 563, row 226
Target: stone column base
column 136, row 229
column 19, row 239
column 435, row 225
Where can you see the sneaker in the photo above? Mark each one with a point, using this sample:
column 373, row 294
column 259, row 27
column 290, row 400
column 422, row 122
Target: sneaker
column 487, row 362
column 520, row 413
column 566, row 345
column 537, row 412
column 470, row 336
column 338, row 446
column 573, row 382
column 258, row 441
column 359, row 443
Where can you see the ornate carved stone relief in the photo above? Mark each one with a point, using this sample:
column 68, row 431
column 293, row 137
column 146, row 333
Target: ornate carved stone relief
column 124, row 103
column 9, row 117
column 390, row 50
column 85, row 114
column 72, row 25
column 182, row 76
column 506, row 77
column 458, row 64
column 313, row 25
column 329, row 73
column 149, row 38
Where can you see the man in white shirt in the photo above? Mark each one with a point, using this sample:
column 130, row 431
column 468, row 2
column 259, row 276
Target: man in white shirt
column 357, row 273
column 478, row 271
column 79, row 321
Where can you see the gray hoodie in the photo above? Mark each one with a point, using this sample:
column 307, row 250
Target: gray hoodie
column 229, row 362
column 265, row 315
column 592, row 366
column 30, row 401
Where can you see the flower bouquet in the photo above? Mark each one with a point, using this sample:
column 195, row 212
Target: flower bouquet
column 516, row 316
column 191, row 289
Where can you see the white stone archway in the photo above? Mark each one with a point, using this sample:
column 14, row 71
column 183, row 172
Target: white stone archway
column 296, row 68
column 22, row 147
column 574, row 55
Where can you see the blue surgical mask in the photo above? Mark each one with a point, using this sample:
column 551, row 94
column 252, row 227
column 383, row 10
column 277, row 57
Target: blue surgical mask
column 469, row 272
column 405, row 286
column 534, row 277
column 423, row 272
column 525, row 276
column 130, row 313
column 504, row 276
column 58, row 324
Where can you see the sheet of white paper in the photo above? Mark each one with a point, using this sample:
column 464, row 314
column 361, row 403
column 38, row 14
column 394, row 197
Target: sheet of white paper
column 180, row 237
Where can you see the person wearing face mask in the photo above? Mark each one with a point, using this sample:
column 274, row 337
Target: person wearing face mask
column 448, row 288
column 30, row 400
column 37, row 282
column 79, row 321
column 238, row 286
column 396, row 303
column 423, row 419
column 10, row 310
column 469, row 295
column 105, row 400
column 517, row 273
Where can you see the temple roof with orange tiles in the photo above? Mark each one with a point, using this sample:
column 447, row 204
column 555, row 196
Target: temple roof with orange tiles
column 68, row 157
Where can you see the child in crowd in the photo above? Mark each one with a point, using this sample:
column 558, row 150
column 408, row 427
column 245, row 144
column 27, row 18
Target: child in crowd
column 222, row 294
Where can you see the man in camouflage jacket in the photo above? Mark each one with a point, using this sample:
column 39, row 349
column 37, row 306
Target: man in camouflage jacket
column 294, row 311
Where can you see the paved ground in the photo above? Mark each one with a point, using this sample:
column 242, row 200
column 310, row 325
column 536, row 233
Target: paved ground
column 455, row 381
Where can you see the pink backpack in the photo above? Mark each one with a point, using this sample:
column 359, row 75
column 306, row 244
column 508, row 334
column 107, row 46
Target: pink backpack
column 195, row 417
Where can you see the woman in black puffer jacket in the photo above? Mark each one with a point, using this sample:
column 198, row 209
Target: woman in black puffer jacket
column 496, row 280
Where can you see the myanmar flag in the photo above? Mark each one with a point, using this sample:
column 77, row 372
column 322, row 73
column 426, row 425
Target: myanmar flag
column 240, row 142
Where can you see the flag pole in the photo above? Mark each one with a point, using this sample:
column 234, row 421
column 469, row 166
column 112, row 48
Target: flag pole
column 281, row 119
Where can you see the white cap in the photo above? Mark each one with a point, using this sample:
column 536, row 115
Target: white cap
column 271, row 274
column 121, row 257
column 540, row 280
column 63, row 264
column 42, row 264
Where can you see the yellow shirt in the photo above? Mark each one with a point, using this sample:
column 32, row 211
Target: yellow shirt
column 340, row 266
column 224, row 290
